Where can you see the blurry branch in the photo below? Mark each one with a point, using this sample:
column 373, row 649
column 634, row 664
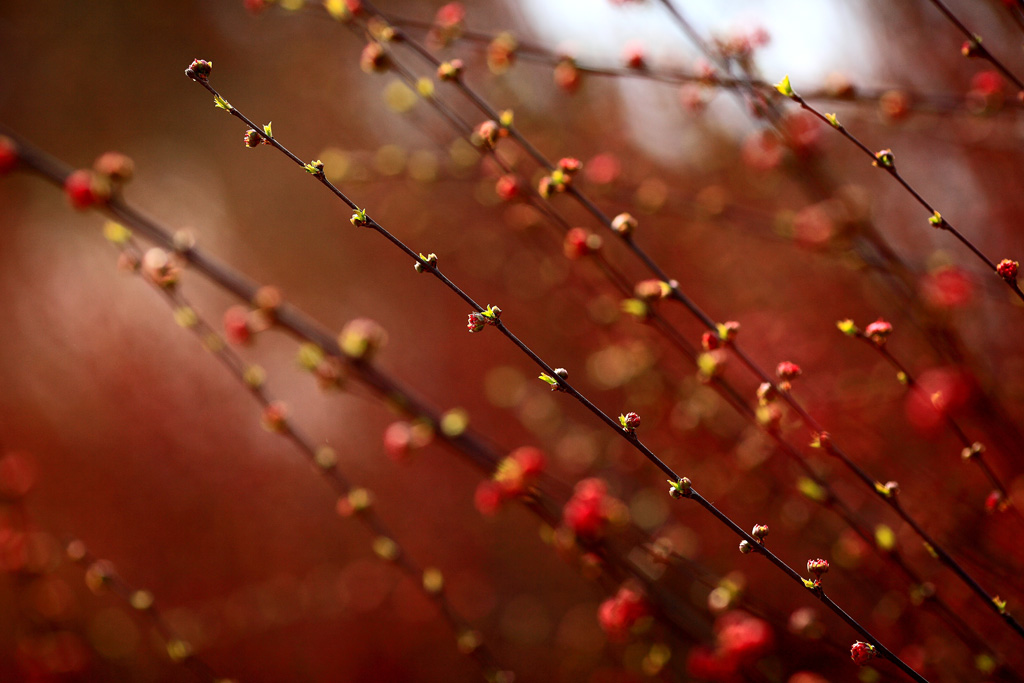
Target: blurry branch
column 840, row 92
column 482, row 317
column 677, row 616
column 973, row 46
column 623, row 227
column 1006, row 269
column 828, row 498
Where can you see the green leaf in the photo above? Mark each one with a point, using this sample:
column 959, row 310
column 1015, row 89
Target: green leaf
column 266, row 129
column 549, row 379
column 635, row 307
column 221, row 103
column 847, row 327
column 831, row 118
column 784, row 87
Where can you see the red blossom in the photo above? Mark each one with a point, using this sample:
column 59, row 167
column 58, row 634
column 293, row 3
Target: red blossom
column 617, row 615
column 508, row 187
column 878, row 331
column 397, row 440
column 236, row 325
column 84, row 189
column 488, row 497
column 947, row 287
column 567, row 75
column 586, row 512
column 742, row 637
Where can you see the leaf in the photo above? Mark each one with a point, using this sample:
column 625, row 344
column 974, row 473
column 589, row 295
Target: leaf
column 221, row 103
column 784, row 87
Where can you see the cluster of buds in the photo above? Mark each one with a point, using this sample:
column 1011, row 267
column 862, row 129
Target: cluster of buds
column 430, row 260
column 630, row 422
column 759, row 532
column 253, row 138
column 680, row 488
column 199, row 70
column 560, row 178
column 723, row 335
column 514, row 477
column 86, row 188
column 480, row 320
column 1007, row 270
column 620, row 614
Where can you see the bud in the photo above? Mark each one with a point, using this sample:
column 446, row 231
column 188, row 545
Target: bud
column 624, row 224
column 199, row 70
column 161, row 267
column 374, row 59
column 862, row 652
column 878, row 331
column 450, row 71
column 788, row 371
column 362, row 338
column 117, row 167
column 629, row 422
column 1007, row 270
column 884, row 159
column 817, row 567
